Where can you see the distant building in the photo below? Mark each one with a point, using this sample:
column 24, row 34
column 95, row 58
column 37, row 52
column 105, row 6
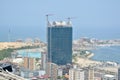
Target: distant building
column 118, row 73
column 76, row 74
column 31, row 58
column 51, row 71
column 59, row 36
column 60, row 72
column 66, row 69
column 36, row 40
column 19, row 40
column 43, row 60
column 98, row 75
column 86, row 74
column 29, row 63
column 91, row 74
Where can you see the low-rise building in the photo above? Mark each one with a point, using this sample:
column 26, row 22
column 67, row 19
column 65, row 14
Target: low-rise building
column 76, row 74
column 51, row 70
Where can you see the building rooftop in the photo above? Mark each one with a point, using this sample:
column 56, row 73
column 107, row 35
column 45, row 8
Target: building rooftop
column 60, row 24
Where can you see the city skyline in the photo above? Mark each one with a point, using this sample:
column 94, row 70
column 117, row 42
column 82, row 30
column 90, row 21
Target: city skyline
column 79, row 41
column 93, row 18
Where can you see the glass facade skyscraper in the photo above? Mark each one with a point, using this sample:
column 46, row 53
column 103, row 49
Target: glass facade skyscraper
column 59, row 43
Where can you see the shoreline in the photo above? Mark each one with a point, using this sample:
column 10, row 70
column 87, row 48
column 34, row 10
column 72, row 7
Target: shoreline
column 88, row 61
column 85, row 62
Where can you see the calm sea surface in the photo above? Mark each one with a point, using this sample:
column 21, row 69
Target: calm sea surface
column 107, row 54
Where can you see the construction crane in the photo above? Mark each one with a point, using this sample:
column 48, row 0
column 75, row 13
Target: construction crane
column 47, row 18
column 69, row 19
column 50, row 57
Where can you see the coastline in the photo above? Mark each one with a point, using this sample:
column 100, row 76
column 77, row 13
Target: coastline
column 89, row 61
column 85, row 62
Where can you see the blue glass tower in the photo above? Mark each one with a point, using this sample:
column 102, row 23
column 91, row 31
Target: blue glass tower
column 59, row 43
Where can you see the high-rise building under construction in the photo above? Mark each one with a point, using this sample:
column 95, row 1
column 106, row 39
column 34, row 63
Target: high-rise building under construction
column 59, row 36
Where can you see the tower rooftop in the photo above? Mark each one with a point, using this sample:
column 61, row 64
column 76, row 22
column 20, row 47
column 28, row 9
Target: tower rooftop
column 60, row 24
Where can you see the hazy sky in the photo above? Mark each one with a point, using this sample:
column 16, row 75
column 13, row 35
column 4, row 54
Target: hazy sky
column 26, row 18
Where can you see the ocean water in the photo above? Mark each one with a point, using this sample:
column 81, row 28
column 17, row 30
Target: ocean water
column 107, row 54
